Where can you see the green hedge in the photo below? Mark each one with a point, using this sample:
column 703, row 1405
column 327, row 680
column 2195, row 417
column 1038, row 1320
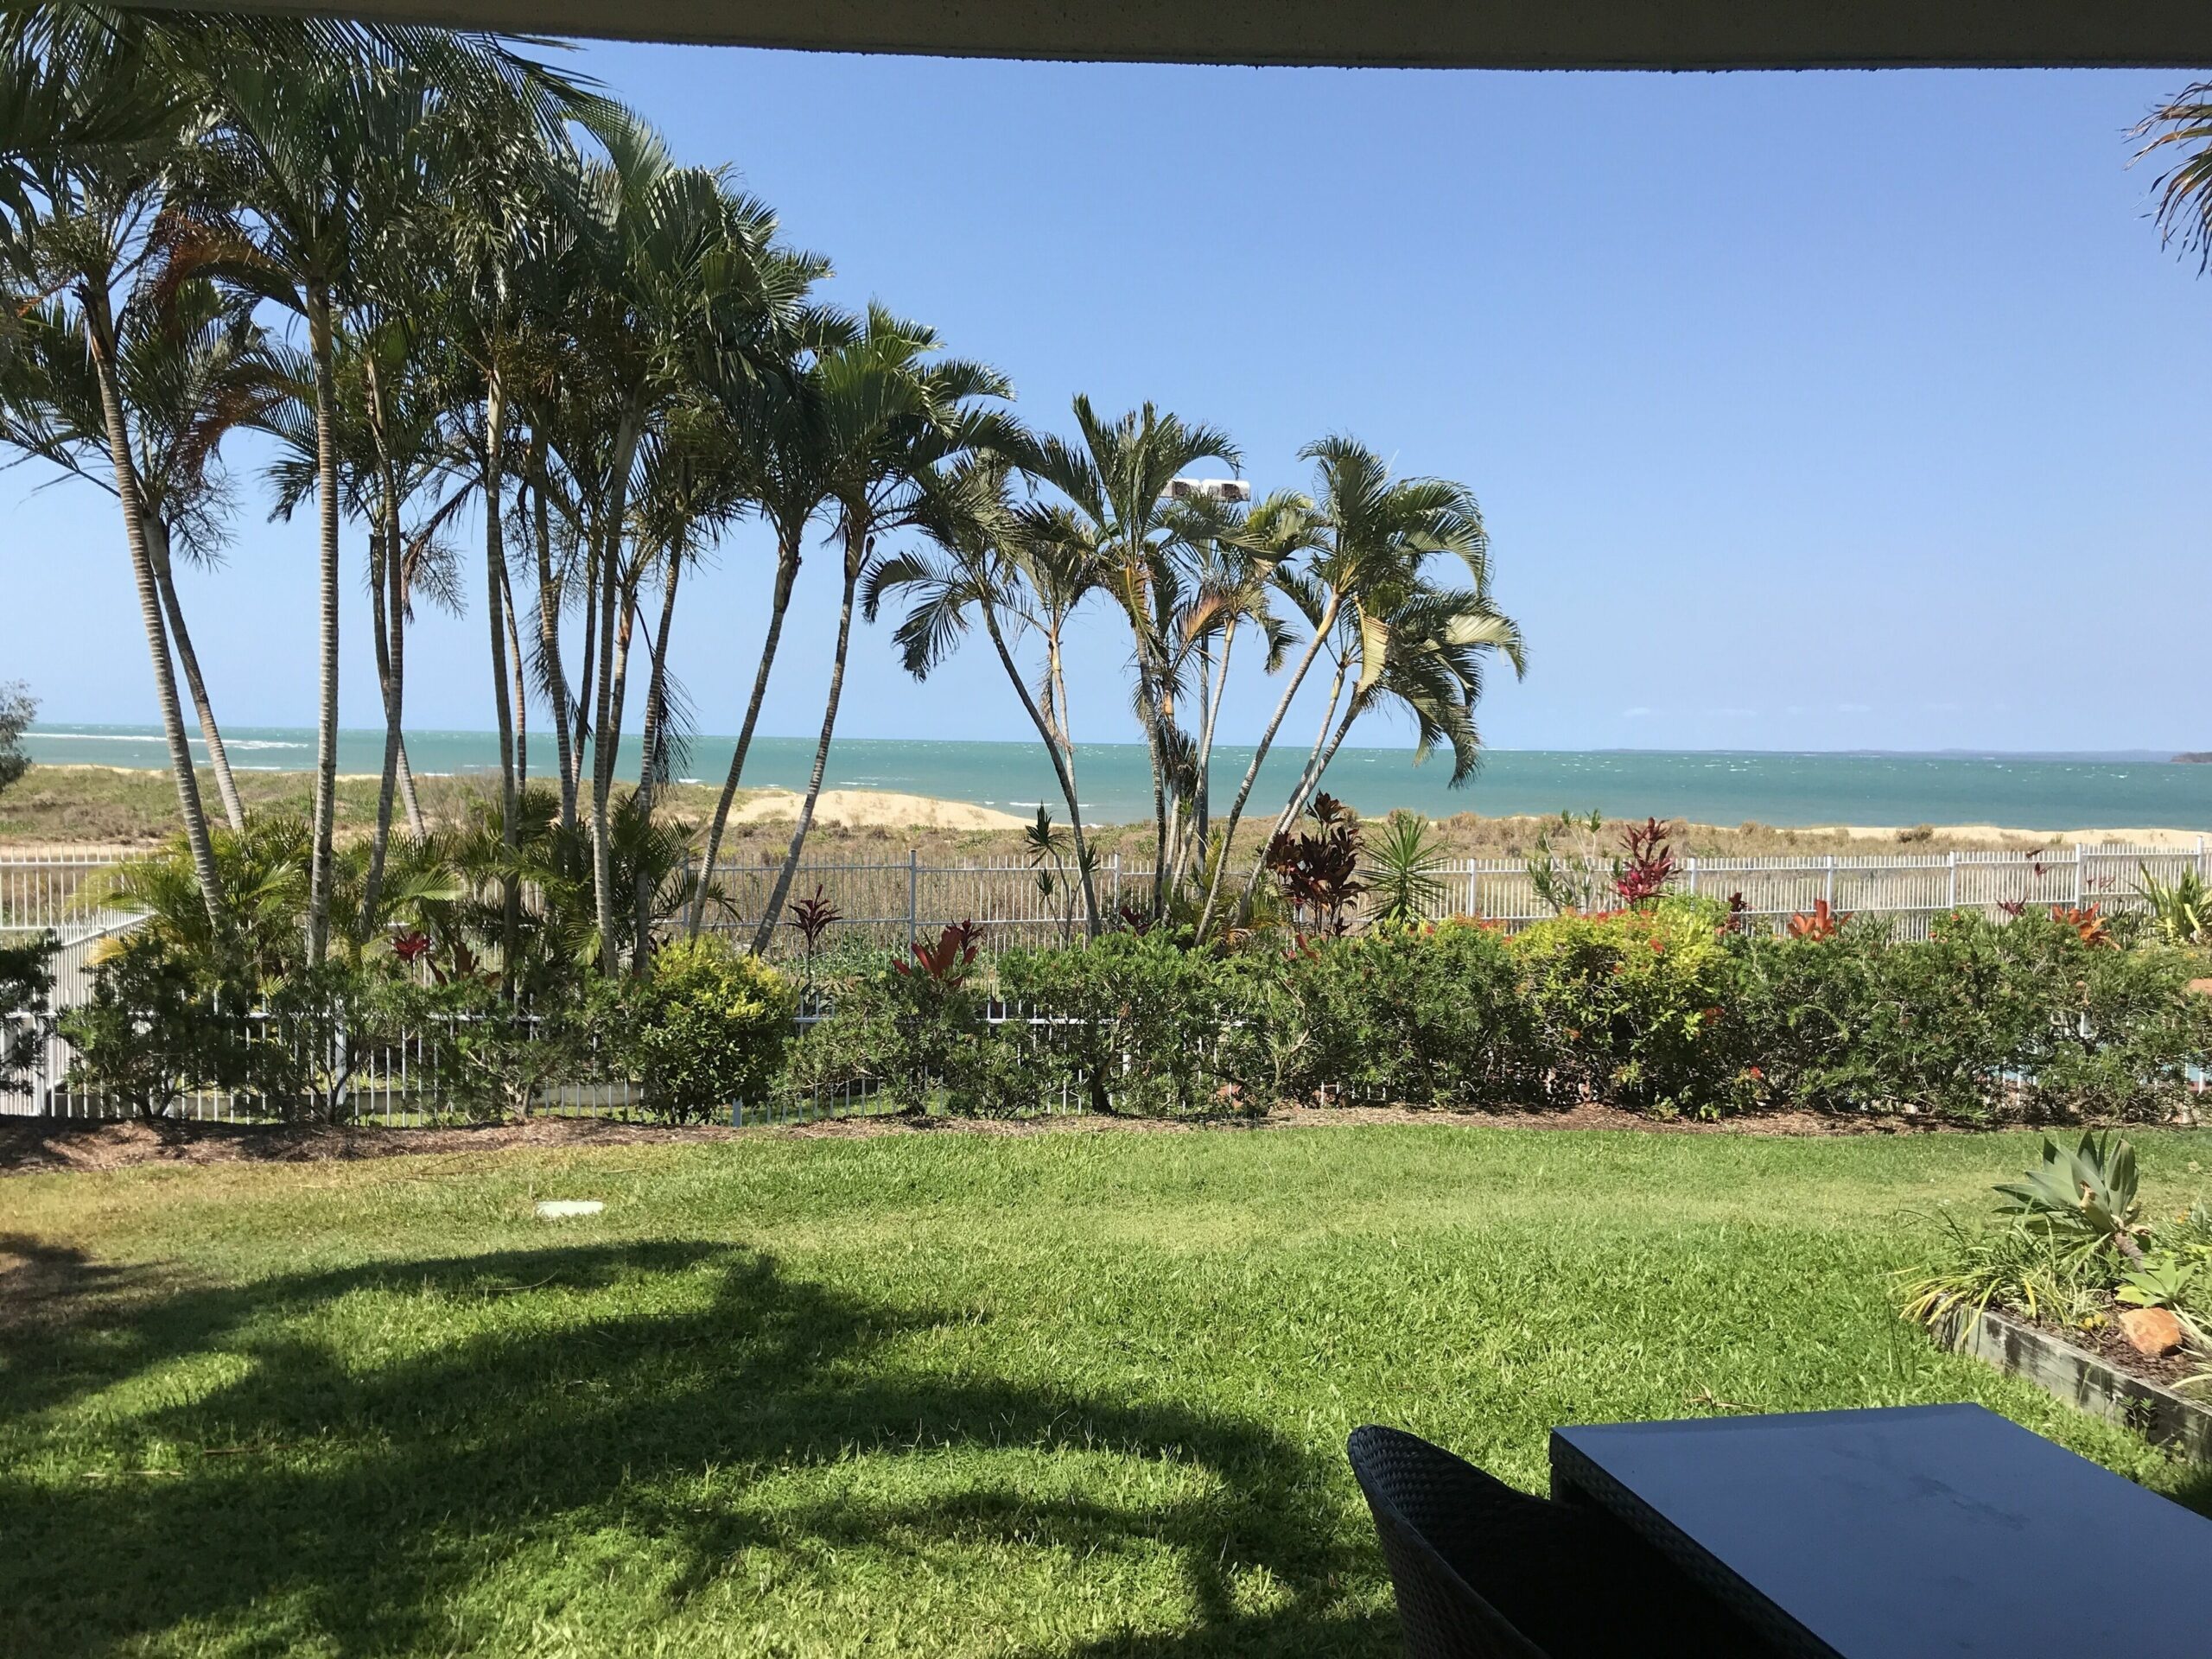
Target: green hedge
column 1663, row 1010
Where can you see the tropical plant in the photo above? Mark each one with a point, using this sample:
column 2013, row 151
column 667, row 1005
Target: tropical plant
column 1571, row 880
column 1823, row 921
column 1406, row 870
column 702, row 1029
column 891, row 423
column 2085, row 1199
column 1118, row 529
column 2178, row 133
column 988, row 565
column 2180, row 909
column 1319, row 869
column 1646, row 864
column 1395, row 634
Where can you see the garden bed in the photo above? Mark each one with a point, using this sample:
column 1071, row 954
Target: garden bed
column 2097, row 1371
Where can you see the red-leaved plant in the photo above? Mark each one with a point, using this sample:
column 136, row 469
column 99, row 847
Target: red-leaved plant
column 1824, row 921
column 1318, row 871
column 1647, row 864
column 814, row 917
column 945, row 962
column 2085, row 920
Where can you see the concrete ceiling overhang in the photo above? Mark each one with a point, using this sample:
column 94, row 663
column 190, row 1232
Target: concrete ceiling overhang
column 1407, row 34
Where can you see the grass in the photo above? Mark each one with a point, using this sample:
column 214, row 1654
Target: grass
column 931, row 1394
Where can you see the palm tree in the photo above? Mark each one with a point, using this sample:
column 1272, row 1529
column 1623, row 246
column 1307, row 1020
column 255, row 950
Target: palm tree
column 1121, row 522
column 1365, row 581
column 83, row 225
column 311, row 160
column 190, row 368
column 1394, row 633
column 1239, row 553
column 776, row 443
column 890, row 422
column 983, row 566
column 686, row 271
column 2179, row 133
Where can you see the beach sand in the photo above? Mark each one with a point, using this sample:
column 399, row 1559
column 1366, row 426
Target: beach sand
column 873, row 808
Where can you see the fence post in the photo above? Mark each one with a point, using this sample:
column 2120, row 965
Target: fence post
column 2200, row 858
column 2077, row 875
column 913, row 883
column 1474, row 887
column 1953, row 901
column 1829, row 890
column 1689, row 865
column 1117, row 886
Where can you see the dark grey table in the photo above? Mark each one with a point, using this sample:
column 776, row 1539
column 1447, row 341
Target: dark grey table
column 1918, row 1530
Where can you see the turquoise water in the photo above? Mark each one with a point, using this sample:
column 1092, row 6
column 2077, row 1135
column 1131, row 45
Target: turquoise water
column 2029, row 792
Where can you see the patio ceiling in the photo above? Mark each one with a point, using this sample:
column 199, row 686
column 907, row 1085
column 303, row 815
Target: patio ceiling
column 1437, row 34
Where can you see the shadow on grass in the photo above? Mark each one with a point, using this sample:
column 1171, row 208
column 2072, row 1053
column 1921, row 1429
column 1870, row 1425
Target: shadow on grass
column 343, row 1499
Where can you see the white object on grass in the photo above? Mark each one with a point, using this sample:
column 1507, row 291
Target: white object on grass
column 556, row 1209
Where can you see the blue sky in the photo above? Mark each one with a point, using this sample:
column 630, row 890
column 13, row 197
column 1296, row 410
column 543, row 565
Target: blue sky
column 1807, row 410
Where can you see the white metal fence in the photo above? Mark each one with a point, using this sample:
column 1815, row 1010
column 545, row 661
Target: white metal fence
column 892, row 902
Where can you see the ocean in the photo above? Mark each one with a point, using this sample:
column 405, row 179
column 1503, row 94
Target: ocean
column 2028, row 792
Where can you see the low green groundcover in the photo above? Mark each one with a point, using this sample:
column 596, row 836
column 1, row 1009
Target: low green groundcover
column 1068, row 1394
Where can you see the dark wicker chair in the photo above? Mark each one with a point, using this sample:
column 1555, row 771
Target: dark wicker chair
column 1484, row 1571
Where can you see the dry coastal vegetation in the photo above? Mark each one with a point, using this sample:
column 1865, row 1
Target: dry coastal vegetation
column 61, row 805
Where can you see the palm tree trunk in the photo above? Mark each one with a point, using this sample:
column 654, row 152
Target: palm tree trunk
column 606, row 736
column 521, row 693
column 855, row 543
column 326, row 745
column 495, row 587
column 1055, row 669
column 787, row 573
column 1328, row 620
column 417, row 826
column 548, row 650
column 99, row 340
column 649, row 769
column 1060, row 766
column 1309, row 775
column 386, row 534
column 219, row 759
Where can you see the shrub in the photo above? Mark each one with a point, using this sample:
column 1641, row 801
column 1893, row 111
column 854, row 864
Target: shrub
column 1431, row 1016
column 26, row 983
column 1135, row 1022
column 1632, row 1007
column 909, row 1029
column 705, row 1028
column 493, row 1060
column 150, row 1031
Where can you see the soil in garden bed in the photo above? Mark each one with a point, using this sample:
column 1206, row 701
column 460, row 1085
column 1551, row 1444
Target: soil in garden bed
column 32, row 1145
column 2107, row 1343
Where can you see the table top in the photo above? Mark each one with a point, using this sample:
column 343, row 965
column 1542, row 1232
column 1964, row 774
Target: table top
column 1907, row 1531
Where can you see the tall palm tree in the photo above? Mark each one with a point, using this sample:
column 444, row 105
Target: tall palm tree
column 309, row 161
column 891, row 422
column 83, row 228
column 776, row 440
column 190, row 368
column 1377, row 537
column 688, row 270
column 981, row 566
column 1114, row 479
column 1238, row 553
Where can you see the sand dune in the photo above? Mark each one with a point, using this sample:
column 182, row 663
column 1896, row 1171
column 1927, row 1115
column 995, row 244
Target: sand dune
column 875, row 809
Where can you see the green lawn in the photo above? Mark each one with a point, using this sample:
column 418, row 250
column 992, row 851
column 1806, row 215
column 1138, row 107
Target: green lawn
column 942, row 1393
